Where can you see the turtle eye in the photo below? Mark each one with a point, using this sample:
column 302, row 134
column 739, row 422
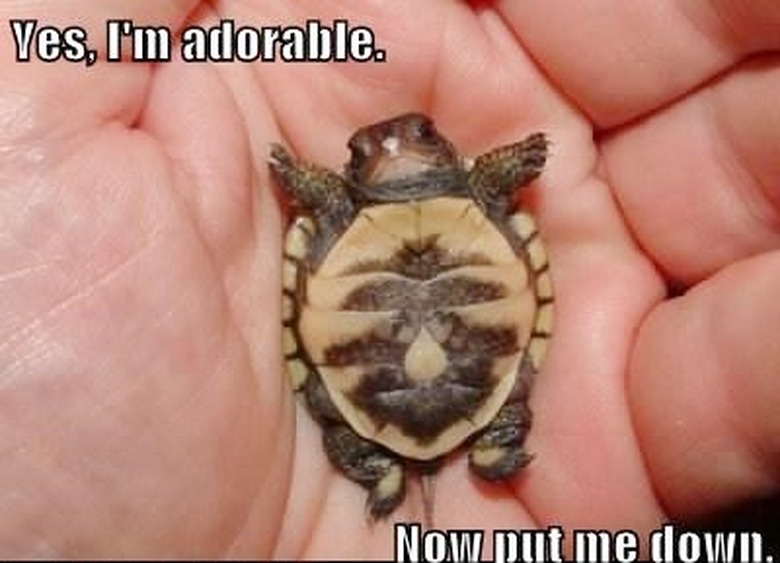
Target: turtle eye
column 359, row 151
column 357, row 157
column 424, row 131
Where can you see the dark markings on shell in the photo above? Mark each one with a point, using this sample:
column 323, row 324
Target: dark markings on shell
column 306, row 230
column 462, row 290
column 515, row 240
column 381, row 295
column 420, row 259
column 423, row 410
column 404, row 294
column 540, row 334
column 369, row 349
column 526, row 242
column 542, row 269
column 493, row 341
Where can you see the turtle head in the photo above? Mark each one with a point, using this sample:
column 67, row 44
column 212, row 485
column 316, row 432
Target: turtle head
column 398, row 150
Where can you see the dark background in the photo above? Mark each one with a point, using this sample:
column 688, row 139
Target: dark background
column 761, row 516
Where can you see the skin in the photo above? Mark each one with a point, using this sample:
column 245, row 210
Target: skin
column 142, row 406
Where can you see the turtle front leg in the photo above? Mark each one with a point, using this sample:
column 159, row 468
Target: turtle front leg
column 497, row 174
column 369, row 465
column 321, row 193
column 498, row 451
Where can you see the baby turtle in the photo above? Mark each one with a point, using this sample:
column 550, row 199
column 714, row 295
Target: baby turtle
column 417, row 303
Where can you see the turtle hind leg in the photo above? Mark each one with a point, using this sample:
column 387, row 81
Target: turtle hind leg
column 360, row 460
column 497, row 453
column 369, row 465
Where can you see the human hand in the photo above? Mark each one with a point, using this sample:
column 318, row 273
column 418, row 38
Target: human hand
column 144, row 411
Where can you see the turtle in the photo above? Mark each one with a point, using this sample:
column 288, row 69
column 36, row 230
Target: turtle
column 417, row 304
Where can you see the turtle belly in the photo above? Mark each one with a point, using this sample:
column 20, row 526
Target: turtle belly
column 417, row 321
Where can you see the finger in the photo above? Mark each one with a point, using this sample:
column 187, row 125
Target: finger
column 698, row 183
column 618, row 60
column 704, row 390
column 588, row 471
